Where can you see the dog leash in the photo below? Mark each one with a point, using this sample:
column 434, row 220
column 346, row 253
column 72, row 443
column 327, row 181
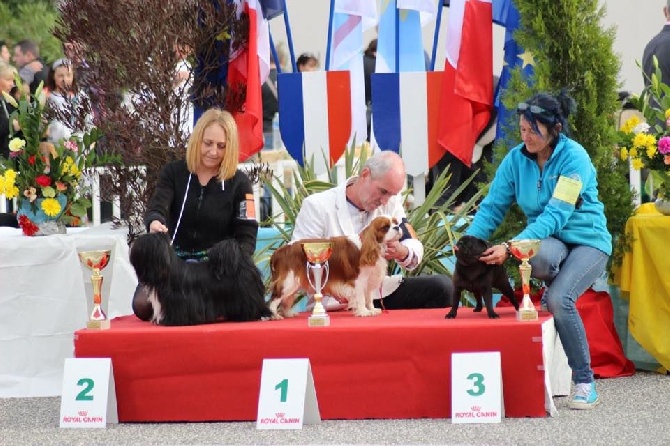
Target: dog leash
column 381, row 299
column 181, row 211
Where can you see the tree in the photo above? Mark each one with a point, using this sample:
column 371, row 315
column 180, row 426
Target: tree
column 571, row 50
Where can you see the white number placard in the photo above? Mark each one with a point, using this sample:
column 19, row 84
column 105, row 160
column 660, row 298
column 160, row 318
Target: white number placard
column 88, row 397
column 476, row 388
column 287, row 397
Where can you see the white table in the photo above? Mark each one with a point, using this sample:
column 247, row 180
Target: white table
column 46, row 295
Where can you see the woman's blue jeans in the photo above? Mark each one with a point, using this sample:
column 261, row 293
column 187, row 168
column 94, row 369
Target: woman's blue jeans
column 568, row 271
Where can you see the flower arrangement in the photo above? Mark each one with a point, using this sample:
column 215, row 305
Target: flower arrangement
column 647, row 144
column 45, row 178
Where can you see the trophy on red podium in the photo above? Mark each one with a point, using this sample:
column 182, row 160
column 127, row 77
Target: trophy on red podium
column 96, row 261
column 318, row 252
column 524, row 250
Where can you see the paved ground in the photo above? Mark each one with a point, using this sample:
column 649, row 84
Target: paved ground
column 634, row 411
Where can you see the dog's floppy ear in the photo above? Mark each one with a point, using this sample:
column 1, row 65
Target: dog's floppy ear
column 370, row 249
column 151, row 255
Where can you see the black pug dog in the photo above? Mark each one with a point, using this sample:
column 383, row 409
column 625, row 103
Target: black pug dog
column 479, row 278
column 226, row 287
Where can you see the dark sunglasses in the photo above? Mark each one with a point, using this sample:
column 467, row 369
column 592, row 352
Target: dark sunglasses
column 534, row 109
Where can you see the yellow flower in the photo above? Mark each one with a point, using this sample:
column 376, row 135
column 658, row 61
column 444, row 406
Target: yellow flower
column 632, row 152
column 630, row 124
column 650, row 140
column 624, row 154
column 12, row 192
column 16, row 144
column 637, row 164
column 10, row 176
column 667, row 113
column 51, row 207
column 651, row 150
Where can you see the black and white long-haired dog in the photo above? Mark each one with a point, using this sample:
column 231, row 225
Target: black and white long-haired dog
column 226, row 287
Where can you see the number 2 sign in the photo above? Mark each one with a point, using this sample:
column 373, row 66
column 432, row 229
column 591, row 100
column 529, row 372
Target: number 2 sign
column 88, row 396
column 287, row 397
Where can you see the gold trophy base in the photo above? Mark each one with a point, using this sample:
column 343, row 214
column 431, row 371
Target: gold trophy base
column 525, row 314
column 319, row 317
column 527, row 311
column 318, row 320
column 98, row 325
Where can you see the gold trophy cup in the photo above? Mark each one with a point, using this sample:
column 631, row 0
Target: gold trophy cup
column 524, row 250
column 96, row 261
column 317, row 252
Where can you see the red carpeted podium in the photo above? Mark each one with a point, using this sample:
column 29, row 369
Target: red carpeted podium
column 396, row 365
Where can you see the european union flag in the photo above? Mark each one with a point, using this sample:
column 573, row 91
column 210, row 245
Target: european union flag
column 272, row 8
column 506, row 14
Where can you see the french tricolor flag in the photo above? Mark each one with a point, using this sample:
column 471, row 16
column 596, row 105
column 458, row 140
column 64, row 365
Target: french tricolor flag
column 405, row 116
column 315, row 115
column 467, row 93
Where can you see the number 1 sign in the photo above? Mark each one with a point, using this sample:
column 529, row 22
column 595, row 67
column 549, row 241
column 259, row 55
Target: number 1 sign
column 287, row 397
column 88, row 397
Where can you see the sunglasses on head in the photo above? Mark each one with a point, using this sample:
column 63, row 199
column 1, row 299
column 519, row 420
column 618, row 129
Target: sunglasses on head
column 534, row 109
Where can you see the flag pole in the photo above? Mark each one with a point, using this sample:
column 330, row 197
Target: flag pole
column 275, row 56
column 436, row 34
column 329, row 42
column 289, row 38
column 397, row 37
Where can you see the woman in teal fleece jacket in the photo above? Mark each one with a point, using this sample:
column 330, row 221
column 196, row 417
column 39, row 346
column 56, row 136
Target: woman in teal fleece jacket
column 553, row 180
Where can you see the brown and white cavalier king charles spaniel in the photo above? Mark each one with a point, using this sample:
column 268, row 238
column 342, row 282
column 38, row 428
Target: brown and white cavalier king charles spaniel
column 356, row 270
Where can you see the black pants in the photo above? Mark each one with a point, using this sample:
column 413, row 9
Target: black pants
column 434, row 291
column 9, row 219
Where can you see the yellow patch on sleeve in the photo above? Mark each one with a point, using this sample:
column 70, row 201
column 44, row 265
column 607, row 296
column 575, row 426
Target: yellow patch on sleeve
column 567, row 190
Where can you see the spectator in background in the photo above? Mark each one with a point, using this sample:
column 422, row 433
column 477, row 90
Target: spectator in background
column 658, row 46
column 32, row 69
column 270, row 98
column 7, row 73
column 482, row 151
column 369, row 62
column 307, row 62
column 66, row 101
column 5, row 56
column 182, row 84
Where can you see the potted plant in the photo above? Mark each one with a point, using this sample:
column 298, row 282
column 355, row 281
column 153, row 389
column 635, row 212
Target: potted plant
column 646, row 145
column 47, row 179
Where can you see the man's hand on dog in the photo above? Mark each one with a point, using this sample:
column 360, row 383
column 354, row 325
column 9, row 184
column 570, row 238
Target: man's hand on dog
column 495, row 255
column 396, row 250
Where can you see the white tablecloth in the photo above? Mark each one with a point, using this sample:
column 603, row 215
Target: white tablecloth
column 46, row 295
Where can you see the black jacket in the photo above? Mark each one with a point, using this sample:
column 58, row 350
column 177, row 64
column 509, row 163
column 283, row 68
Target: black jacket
column 211, row 212
column 6, row 110
column 658, row 46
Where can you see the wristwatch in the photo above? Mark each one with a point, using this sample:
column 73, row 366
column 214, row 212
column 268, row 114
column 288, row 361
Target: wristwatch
column 507, row 248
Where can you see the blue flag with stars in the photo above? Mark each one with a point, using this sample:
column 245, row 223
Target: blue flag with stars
column 506, row 14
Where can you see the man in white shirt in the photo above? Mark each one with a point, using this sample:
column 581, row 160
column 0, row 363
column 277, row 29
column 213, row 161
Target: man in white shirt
column 349, row 207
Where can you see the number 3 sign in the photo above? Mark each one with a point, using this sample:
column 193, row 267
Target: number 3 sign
column 287, row 397
column 88, row 394
column 476, row 388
